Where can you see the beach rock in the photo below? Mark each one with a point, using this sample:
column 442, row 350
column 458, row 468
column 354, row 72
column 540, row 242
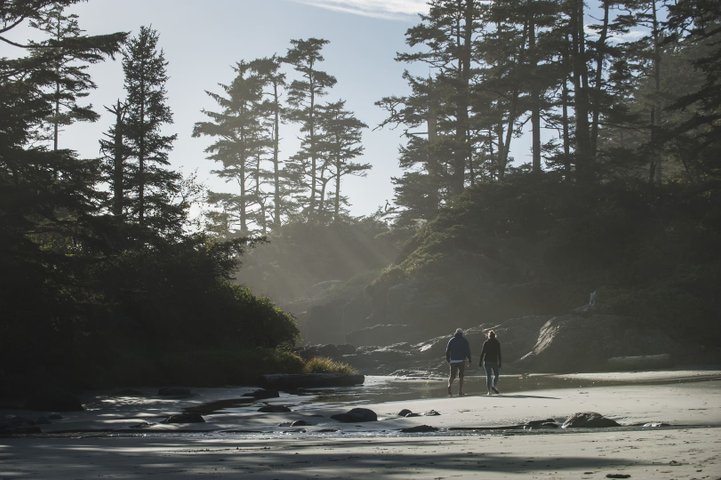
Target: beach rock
column 419, row 429
column 185, row 418
column 274, row 409
column 589, row 420
column 431, row 413
column 407, row 413
column 174, row 392
column 300, row 423
column 356, row 415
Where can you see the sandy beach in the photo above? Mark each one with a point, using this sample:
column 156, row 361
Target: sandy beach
column 670, row 429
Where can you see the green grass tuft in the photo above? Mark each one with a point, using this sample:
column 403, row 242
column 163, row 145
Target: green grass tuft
column 326, row 365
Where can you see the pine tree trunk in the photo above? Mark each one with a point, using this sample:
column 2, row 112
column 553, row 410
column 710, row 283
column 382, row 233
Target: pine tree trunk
column 313, row 159
column 118, row 162
column 656, row 169
column 535, row 99
column 141, row 157
column 276, row 160
column 584, row 158
column 464, row 44
column 598, row 78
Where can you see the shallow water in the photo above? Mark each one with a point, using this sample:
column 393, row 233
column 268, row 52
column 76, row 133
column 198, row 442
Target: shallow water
column 377, row 389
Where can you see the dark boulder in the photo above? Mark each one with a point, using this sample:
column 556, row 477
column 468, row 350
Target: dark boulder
column 407, row 413
column 589, row 420
column 356, row 415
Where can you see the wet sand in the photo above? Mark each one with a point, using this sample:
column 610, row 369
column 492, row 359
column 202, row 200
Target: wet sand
column 688, row 447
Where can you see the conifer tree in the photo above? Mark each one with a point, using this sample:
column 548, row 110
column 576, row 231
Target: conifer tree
column 240, row 142
column 304, row 93
column 268, row 69
column 340, row 143
column 152, row 182
column 69, row 53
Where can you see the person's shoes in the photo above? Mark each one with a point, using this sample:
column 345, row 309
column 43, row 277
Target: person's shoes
column 495, row 390
column 489, row 394
column 449, row 392
column 461, row 394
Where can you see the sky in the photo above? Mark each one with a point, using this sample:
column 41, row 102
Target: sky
column 202, row 40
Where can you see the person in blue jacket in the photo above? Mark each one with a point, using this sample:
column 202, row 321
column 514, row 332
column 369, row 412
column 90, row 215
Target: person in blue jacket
column 457, row 352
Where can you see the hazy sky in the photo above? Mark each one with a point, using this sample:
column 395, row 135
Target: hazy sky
column 203, row 39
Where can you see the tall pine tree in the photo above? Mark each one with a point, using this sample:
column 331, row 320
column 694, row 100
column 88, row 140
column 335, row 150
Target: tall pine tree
column 304, row 94
column 153, row 184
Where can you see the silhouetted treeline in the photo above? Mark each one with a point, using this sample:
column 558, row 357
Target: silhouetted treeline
column 101, row 283
column 604, row 90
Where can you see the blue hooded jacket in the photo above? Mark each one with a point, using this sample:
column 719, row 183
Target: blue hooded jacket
column 458, row 349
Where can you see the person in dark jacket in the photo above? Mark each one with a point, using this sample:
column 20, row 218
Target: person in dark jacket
column 457, row 351
column 491, row 361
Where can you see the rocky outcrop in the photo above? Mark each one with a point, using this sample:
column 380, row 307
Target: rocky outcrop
column 583, row 342
column 517, row 335
column 586, row 340
column 589, row 420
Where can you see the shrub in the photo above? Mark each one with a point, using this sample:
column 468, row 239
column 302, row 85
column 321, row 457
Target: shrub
column 327, row 365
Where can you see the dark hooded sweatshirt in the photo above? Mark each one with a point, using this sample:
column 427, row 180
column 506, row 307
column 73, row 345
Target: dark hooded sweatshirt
column 491, row 352
column 458, row 349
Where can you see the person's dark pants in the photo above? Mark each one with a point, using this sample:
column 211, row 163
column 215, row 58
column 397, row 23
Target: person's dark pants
column 492, row 373
column 457, row 369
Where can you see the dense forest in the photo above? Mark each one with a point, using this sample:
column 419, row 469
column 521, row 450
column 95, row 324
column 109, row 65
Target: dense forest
column 621, row 197
column 103, row 283
column 106, row 282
